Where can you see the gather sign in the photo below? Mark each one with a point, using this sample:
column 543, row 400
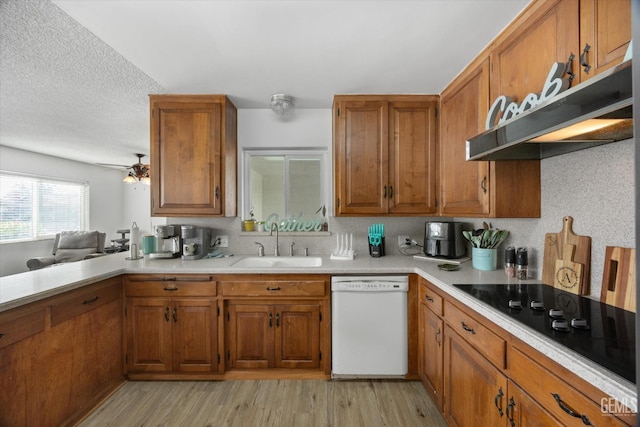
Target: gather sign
column 553, row 85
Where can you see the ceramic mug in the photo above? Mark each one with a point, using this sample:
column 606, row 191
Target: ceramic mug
column 189, row 248
column 148, row 244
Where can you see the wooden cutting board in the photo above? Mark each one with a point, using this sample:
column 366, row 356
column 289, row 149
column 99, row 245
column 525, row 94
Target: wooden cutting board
column 568, row 274
column 554, row 250
column 619, row 278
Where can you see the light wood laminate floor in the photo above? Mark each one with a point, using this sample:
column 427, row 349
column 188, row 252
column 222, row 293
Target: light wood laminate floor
column 265, row 403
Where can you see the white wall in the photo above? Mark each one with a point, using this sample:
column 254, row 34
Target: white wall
column 107, row 193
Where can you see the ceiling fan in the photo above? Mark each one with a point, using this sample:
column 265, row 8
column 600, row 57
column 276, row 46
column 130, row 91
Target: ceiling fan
column 139, row 171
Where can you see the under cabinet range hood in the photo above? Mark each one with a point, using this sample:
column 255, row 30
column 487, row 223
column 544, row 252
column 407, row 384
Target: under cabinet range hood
column 596, row 112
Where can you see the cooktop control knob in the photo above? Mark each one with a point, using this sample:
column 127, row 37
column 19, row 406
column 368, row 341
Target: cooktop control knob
column 536, row 305
column 560, row 325
column 515, row 303
column 554, row 313
column 579, row 323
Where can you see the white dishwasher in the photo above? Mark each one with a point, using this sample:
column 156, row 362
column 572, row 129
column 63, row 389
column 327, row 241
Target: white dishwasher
column 369, row 326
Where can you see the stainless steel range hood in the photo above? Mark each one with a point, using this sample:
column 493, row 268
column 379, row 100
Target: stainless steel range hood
column 537, row 133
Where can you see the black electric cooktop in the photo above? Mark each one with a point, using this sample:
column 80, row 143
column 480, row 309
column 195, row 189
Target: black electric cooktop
column 602, row 333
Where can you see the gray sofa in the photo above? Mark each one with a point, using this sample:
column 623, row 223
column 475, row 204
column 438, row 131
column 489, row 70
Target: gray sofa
column 70, row 246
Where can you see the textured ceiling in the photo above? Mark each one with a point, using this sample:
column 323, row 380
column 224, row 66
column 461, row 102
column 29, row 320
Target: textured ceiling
column 75, row 75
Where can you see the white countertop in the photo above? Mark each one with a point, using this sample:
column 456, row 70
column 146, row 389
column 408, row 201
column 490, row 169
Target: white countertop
column 23, row 288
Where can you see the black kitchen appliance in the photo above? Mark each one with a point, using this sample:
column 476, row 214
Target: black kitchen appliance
column 602, row 333
column 444, row 239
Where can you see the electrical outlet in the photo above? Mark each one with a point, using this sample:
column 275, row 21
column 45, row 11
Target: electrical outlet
column 404, row 241
column 224, row 241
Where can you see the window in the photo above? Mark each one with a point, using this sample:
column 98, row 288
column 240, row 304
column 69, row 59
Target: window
column 284, row 184
column 33, row 207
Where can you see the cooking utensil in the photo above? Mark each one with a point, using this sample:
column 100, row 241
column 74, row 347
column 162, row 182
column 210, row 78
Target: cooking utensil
column 568, row 274
column 554, row 244
column 619, row 278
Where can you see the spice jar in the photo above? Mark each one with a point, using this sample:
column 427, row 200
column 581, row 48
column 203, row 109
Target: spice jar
column 510, row 261
column 522, row 264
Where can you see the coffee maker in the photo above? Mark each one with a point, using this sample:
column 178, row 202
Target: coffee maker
column 168, row 242
column 195, row 242
column 444, row 239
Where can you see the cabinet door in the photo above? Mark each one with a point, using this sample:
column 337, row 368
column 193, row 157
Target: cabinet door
column 361, row 157
column 186, row 162
column 475, row 391
column 412, row 157
column 148, row 334
column 524, row 54
column 464, row 185
column 431, row 353
column 194, row 335
column 250, row 337
column 605, row 26
column 523, row 411
column 297, row 336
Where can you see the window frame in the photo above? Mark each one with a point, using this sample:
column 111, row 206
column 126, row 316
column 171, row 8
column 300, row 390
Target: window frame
column 36, row 181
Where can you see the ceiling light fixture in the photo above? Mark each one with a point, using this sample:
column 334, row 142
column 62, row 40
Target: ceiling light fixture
column 139, row 171
column 282, row 104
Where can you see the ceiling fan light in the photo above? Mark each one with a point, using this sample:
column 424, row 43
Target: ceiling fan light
column 129, row 179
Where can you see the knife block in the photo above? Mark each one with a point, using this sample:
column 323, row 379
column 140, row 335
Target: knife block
column 377, row 251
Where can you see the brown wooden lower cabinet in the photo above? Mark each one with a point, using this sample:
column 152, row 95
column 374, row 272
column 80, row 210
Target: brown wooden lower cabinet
column 523, row 411
column 431, row 342
column 56, row 374
column 273, row 335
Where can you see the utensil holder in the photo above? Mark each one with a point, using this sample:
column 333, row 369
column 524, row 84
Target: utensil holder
column 484, row 259
column 377, row 251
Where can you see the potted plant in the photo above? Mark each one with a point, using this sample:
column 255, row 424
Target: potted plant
column 484, row 244
column 325, row 225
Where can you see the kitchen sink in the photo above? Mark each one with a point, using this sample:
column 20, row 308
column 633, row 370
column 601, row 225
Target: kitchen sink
column 278, row 262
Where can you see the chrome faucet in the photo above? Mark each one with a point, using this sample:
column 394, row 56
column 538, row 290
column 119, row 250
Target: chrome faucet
column 276, row 252
column 260, row 248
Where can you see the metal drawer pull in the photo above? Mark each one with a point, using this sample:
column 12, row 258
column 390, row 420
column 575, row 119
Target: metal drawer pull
column 498, row 401
column 483, row 185
column 468, row 329
column 438, row 337
column 91, row 300
column 269, row 288
column 428, row 298
column 569, row 410
column 175, row 314
column 1, row 335
column 277, row 319
column 168, row 279
column 391, row 191
column 270, row 320
column 166, row 313
column 170, row 289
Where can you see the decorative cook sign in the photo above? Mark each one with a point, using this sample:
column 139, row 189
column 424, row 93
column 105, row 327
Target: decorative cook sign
column 553, row 85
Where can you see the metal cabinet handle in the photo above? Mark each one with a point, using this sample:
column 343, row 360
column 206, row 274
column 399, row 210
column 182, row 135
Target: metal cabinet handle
column 217, row 193
column 391, row 191
column 510, row 411
column 467, row 328
column 498, row 401
column 277, row 288
column 170, row 289
column 1, row 335
column 166, row 313
column 277, row 320
column 175, row 314
column 91, row 300
column 438, row 337
column 384, row 192
column 569, row 410
column 483, row 184
column 270, row 320
column 583, row 58
column 568, row 67
column 430, row 299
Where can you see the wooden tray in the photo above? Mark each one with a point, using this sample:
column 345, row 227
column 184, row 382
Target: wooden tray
column 619, row 278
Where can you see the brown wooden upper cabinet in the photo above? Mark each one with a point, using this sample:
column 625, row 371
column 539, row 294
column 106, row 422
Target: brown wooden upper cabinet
column 385, row 154
column 605, row 33
column 193, row 155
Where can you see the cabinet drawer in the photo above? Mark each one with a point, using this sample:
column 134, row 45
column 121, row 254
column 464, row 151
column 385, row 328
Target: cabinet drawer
column 552, row 393
column 486, row 342
column 83, row 300
column 276, row 288
column 170, row 286
column 430, row 298
column 20, row 323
